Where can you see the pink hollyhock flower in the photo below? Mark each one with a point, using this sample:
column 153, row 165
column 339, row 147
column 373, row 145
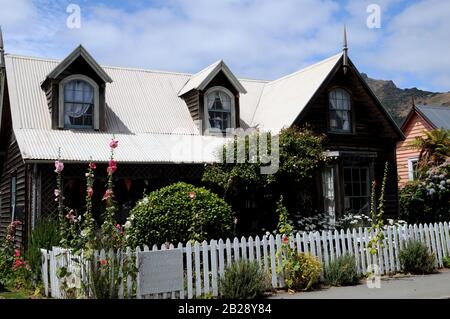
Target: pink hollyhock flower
column 285, row 239
column 59, row 166
column 108, row 194
column 111, row 169
column 112, row 166
column 118, row 227
column 192, row 195
column 57, row 192
column 114, row 143
column 103, row 262
column 17, row 253
column 90, row 192
column 92, row 166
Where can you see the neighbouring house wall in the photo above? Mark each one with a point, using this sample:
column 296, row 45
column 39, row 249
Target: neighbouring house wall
column 415, row 127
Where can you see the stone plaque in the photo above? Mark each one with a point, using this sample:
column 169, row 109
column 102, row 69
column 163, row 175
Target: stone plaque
column 160, row 271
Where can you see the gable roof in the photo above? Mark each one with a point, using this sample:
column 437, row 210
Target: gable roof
column 284, row 99
column 200, row 80
column 436, row 116
column 79, row 51
column 145, row 105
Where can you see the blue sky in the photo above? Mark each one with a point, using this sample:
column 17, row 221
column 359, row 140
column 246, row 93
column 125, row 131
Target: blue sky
column 263, row 39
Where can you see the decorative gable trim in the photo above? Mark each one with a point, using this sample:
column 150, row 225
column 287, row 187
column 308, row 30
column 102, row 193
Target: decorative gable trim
column 79, row 51
column 201, row 80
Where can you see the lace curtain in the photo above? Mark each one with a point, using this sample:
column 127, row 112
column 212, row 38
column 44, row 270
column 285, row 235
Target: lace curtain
column 78, row 97
column 219, row 109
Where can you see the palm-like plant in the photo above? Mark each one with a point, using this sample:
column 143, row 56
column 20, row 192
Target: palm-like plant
column 434, row 148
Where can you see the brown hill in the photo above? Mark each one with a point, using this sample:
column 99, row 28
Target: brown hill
column 399, row 101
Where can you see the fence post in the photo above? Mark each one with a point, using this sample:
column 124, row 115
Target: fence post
column 258, row 251
column 280, row 260
column 198, row 274
column 251, row 249
column 265, row 254
column 44, row 270
column 272, row 261
column 325, row 248
column 205, row 267
column 221, row 258
column 243, row 248
column 213, row 247
column 189, row 269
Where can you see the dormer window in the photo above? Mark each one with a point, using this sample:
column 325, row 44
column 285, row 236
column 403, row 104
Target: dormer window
column 340, row 111
column 219, row 109
column 78, row 103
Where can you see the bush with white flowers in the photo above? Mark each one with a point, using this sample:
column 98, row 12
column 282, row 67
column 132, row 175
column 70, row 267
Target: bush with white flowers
column 428, row 200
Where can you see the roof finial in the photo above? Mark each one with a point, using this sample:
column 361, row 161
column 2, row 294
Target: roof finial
column 345, row 51
column 413, row 102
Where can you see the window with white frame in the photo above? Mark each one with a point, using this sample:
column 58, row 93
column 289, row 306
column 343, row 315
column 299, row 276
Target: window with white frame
column 340, row 111
column 78, row 103
column 413, row 164
column 328, row 174
column 219, row 109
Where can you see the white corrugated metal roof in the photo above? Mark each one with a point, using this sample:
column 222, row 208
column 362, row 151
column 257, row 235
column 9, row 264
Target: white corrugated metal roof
column 144, row 109
column 282, row 100
column 37, row 144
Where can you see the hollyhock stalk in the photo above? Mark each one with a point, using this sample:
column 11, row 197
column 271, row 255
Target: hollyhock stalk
column 88, row 231
column 63, row 229
column 109, row 231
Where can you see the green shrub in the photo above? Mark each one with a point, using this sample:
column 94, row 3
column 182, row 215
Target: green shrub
column 243, row 280
column 301, row 271
column 178, row 213
column 447, row 261
column 342, row 271
column 416, row 258
column 45, row 235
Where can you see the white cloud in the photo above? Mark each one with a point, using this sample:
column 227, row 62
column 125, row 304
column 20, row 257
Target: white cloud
column 417, row 42
column 257, row 39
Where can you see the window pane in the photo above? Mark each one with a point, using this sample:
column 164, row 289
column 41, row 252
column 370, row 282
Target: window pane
column 339, row 101
column 79, row 103
column 219, row 110
column 356, row 188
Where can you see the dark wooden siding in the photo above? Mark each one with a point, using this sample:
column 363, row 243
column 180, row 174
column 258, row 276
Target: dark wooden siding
column 192, row 100
column 372, row 131
column 13, row 165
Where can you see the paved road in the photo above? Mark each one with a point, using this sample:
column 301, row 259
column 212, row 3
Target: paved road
column 408, row 287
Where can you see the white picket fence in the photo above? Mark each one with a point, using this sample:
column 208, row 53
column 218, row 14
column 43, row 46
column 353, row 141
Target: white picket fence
column 204, row 263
